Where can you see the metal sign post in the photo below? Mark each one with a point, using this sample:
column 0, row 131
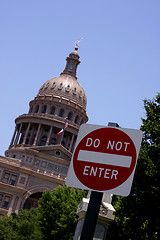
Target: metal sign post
column 91, row 216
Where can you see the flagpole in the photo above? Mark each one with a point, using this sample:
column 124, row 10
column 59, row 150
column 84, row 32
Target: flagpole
column 61, row 138
column 65, row 126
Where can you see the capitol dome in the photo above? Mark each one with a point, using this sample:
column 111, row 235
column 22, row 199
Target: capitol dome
column 59, row 99
column 66, row 85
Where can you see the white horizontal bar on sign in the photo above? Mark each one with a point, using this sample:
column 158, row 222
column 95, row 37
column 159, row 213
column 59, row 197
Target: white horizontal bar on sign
column 104, row 158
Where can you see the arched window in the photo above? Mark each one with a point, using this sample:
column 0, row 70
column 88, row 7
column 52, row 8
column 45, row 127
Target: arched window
column 82, row 121
column 74, row 91
column 37, row 109
column 27, row 140
column 69, row 116
column 43, row 141
column 47, row 85
column 52, row 110
column 67, row 88
column 52, row 141
column 72, row 66
column 76, row 119
column 61, row 112
column 68, row 64
column 33, row 138
column 44, row 109
column 60, row 85
column 53, row 85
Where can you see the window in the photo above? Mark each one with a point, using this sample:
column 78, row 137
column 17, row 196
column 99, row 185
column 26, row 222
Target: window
column 68, row 63
column 81, row 121
column 46, row 129
column 52, row 141
column 61, row 112
column 69, row 116
column 44, row 109
column 27, row 140
column 52, row 110
column 36, row 162
column 60, row 86
column 58, row 153
column 67, row 88
column 74, row 91
column 80, row 94
column 37, row 108
column 13, row 179
column 57, row 168
column 6, row 178
column 50, row 166
column 4, row 201
column 43, row 164
column 9, row 178
column 22, row 180
column 76, row 119
column 43, row 141
column 32, row 139
column 53, row 85
column 64, row 170
column 1, row 198
column 47, row 85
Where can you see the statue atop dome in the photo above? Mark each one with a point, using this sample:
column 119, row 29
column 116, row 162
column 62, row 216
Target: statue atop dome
column 77, row 43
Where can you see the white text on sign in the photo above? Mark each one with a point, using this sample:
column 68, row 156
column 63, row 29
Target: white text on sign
column 100, row 172
column 104, row 158
column 109, row 145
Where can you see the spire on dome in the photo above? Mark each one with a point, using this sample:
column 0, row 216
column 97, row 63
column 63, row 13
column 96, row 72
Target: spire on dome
column 72, row 61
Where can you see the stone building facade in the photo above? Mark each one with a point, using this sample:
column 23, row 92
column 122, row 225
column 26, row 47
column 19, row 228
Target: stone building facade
column 37, row 158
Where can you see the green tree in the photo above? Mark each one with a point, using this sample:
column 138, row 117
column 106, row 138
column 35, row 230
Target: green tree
column 57, row 209
column 21, row 226
column 138, row 215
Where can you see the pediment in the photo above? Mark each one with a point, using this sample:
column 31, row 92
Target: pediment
column 54, row 150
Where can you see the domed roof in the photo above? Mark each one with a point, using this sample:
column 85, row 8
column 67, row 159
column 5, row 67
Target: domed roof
column 66, row 85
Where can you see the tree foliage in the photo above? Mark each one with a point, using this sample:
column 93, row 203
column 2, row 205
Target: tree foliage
column 138, row 215
column 58, row 217
column 55, row 218
column 22, row 226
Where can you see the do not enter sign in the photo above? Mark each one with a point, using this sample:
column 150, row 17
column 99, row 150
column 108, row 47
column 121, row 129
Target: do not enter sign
column 104, row 159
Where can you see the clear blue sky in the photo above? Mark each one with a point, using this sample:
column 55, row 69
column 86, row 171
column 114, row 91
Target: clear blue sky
column 120, row 56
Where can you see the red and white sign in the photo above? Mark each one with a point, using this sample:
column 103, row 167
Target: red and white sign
column 104, row 159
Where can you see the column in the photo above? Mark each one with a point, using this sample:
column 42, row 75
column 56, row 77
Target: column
column 67, row 141
column 18, row 206
column 11, row 206
column 26, row 134
column 37, row 135
column 49, row 135
column 14, row 134
column 31, row 140
column 17, row 137
column 70, row 147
